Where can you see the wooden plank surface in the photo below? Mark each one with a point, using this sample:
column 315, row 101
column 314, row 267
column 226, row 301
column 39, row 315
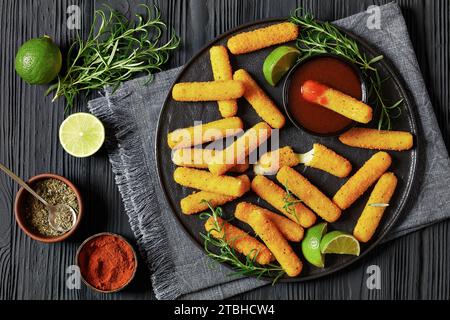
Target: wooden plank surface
column 415, row 266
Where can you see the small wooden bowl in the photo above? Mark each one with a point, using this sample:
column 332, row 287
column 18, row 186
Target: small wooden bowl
column 80, row 248
column 20, row 214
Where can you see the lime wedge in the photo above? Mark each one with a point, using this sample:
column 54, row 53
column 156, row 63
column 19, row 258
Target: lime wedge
column 311, row 244
column 278, row 62
column 81, row 134
column 340, row 243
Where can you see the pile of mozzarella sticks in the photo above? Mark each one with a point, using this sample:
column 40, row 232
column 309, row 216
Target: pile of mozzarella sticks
column 297, row 199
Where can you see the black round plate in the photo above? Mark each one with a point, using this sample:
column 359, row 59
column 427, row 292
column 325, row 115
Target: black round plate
column 176, row 115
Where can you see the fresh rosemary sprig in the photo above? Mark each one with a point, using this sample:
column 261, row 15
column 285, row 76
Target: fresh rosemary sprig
column 323, row 37
column 119, row 50
column 289, row 203
column 226, row 254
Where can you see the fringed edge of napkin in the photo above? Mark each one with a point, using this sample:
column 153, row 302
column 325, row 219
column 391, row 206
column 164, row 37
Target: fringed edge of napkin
column 140, row 203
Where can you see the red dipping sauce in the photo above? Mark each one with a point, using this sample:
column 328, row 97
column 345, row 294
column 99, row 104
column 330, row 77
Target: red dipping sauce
column 332, row 72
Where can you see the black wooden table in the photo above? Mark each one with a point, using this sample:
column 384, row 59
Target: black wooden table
column 414, row 266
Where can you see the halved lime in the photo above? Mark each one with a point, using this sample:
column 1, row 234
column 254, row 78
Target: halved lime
column 278, row 62
column 340, row 243
column 81, row 134
column 311, row 244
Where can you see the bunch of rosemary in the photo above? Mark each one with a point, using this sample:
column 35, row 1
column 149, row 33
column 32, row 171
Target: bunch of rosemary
column 119, row 50
column 226, row 254
column 323, row 37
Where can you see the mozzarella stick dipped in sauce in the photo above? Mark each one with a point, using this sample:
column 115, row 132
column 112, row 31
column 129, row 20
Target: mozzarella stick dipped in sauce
column 221, row 67
column 288, row 228
column 319, row 157
column 337, row 101
column 202, row 133
column 259, row 100
column 309, row 194
column 366, row 176
column 208, row 90
column 241, row 148
column 199, row 158
column 377, row 139
column 206, row 181
column 250, row 41
column 282, row 201
column 277, row 244
column 239, row 240
column 376, row 205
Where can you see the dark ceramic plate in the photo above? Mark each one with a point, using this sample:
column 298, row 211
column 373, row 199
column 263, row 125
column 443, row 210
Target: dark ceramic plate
column 176, row 115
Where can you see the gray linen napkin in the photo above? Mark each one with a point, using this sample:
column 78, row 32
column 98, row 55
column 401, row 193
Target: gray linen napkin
column 179, row 269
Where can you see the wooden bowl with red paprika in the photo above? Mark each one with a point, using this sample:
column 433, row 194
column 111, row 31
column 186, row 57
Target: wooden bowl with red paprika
column 107, row 262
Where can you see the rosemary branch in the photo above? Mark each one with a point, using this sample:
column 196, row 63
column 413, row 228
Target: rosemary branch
column 323, row 37
column 226, row 254
column 289, row 203
column 119, row 50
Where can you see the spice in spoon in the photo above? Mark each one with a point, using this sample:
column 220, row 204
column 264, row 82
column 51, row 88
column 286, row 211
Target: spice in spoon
column 55, row 192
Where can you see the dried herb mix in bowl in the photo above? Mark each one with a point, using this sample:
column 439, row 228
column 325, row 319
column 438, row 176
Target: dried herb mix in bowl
column 55, row 192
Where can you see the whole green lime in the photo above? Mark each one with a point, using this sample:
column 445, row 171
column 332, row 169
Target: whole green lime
column 38, row 60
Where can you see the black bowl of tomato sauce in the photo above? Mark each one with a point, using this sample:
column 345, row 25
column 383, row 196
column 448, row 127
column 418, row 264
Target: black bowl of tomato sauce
column 332, row 70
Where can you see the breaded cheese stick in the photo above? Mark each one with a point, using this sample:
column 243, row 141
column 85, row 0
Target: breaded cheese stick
column 199, row 158
column 193, row 203
column 373, row 211
column 221, row 67
column 377, row 139
column 357, row 184
column 239, row 240
column 280, row 200
column 288, row 228
column 206, row 181
column 276, row 243
column 208, row 90
column 199, row 134
column 337, row 101
column 259, row 100
column 319, row 157
column 263, row 37
column 241, row 148
column 323, row 158
column 309, row 194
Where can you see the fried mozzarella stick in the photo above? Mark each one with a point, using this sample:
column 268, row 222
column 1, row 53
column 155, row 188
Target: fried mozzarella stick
column 261, row 38
column 208, row 90
column 366, row 176
column 377, row 139
column 282, row 201
column 319, row 157
column 193, row 203
column 276, row 243
column 239, row 240
column 221, row 67
column 258, row 99
column 241, row 148
column 199, row 158
column 337, row 101
column 288, row 228
column 373, row 211
column 206, row 181
column 309, row 194
column 186, row 137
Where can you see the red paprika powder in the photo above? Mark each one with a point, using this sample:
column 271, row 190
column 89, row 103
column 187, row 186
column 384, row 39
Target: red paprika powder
column 107, row 262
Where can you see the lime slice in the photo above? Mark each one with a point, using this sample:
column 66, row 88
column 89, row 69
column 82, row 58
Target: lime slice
column 311, row 244
column 340, row 243
column 278, row 62
column 81, row 134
